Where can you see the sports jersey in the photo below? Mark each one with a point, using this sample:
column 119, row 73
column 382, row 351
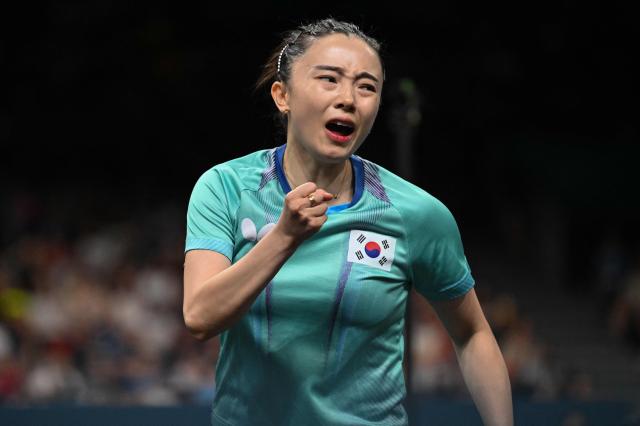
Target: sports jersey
column 323, row 342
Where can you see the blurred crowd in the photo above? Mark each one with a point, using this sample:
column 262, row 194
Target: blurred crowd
column 90, row 310
column 95, row 318
column 533, row 374
column 617, row 283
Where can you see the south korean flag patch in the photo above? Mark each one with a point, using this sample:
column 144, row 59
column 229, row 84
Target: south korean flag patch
column 371, row 249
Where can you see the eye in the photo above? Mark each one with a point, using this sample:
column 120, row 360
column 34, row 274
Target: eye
column 328, row 78
column 369, row 87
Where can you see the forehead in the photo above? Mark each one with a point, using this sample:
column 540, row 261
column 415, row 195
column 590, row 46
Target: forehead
column 349, row 52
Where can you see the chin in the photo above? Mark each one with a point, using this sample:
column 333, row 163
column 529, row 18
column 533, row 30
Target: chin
column 341, row 149
column 335, row 153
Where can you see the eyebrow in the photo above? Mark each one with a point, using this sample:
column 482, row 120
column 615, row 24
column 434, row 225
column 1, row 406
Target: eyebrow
column 340, row 71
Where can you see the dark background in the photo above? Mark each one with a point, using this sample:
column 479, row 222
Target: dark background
column 521, row 104
column 528, row 129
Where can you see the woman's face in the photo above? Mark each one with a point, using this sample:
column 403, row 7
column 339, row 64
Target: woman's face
column 333, row 97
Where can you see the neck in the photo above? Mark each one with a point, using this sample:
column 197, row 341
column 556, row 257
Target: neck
column 300, row 167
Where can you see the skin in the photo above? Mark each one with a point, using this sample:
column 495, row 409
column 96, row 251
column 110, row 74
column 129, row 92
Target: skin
column 218, row 293
column 337, row 77
column 481, row 362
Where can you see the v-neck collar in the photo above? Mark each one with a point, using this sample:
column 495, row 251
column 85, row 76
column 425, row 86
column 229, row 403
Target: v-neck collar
column 358, row 179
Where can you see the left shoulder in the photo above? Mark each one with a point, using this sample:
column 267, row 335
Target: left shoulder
column 409, row 199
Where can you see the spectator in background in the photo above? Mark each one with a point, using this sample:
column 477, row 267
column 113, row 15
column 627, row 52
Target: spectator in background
column 624, row 320
column 527, row 362
column 610, row 264
column 67, row 301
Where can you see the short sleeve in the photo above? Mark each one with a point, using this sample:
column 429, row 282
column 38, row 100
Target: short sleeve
column 439, row 266
column 209, row 224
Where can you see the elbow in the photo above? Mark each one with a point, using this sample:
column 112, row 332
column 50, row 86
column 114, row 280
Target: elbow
column 197, row 327
column 462, row 337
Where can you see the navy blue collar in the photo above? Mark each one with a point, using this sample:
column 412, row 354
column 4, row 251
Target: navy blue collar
column 358, row 182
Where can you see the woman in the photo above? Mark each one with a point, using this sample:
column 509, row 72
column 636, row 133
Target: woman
column 302, row 257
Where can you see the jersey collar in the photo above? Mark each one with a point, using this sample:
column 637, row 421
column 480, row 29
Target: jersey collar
column 356, row 167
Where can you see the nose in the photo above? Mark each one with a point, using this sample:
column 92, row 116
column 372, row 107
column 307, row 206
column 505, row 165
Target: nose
column 346, row 99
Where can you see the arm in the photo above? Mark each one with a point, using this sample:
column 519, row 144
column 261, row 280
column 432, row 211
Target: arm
column 217, row 293
column 479, row 356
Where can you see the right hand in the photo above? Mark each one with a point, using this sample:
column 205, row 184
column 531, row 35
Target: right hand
column 301, row 217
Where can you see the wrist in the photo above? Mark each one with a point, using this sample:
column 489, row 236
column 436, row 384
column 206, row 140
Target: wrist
column 282, row 239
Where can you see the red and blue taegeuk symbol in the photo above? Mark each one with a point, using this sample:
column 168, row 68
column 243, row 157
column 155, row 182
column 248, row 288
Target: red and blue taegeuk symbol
column 372, row 249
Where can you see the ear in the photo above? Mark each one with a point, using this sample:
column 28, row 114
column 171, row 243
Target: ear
column 280, row 96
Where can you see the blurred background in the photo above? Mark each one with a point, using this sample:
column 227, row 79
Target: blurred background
column 522, row 119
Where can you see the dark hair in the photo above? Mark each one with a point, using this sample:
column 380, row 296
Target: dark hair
column 293, row 45
column 295, row 42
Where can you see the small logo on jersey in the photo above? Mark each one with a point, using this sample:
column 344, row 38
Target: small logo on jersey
column 251, row 233
column 371, row 249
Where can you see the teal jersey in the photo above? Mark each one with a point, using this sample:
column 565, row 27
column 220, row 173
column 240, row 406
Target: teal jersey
column 323, row 342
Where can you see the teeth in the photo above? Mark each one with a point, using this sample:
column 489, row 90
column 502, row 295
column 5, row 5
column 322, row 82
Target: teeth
column 343, row 124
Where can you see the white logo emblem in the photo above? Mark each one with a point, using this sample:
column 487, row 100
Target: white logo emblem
column 249, row 230
column 371, row 249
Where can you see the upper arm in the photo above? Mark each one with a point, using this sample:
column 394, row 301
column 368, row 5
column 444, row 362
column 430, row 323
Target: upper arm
column 209, row 241
column 210, row 223
column 461, row 316
column 200, row 265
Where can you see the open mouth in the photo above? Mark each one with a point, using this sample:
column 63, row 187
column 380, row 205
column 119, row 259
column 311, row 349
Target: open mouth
column 340, row 127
